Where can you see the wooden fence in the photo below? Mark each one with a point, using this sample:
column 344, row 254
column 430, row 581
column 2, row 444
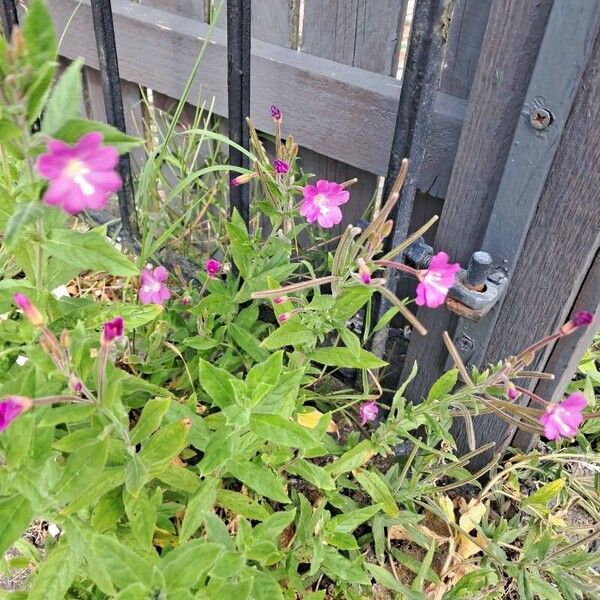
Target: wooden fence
column 502, row 178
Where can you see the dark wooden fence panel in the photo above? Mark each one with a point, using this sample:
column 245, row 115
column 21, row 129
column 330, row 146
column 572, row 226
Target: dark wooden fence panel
column 509, row 50
column 365, row 34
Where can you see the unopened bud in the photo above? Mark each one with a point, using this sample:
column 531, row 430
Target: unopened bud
column 581, row 319
column 17, row 41
column 276, row 114
column 241, row 179
column 387, row 228
column 281, row 299
column 65, row 339
column 76, row 384
column 29, row 310
column 283, row 317
column 364, row 272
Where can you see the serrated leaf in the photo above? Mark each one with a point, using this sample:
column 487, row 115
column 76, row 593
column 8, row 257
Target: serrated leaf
column 73, row 129
column 443, row 385
column 88, row 251
column 282, row 431
column 344, row 357
column 56, row 573
column 15, row 515
column 25, row 214
column 261, row 479
column 377, row 489
column 65, row 100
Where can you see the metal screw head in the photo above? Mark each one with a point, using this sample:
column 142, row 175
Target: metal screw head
column 540, row 118
column 464, row 343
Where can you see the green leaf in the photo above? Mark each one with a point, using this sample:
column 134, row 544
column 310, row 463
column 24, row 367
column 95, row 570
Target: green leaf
column 56, row 573
column 352, row 459
column 282, row 431
column 15, row 515
column 241, row 504
column 240, row 244
column 374, row 485
column 339, row 567
column 149, row 420
column 65, row 100
column 247, row 342
column 89, row 250
column 74, row 129
column 123, row 564
column 259, row 478
column 188, row 563
column 311, row 473
column 199, row 504
column 349, row 521
column 26, row 213
column 110, row 478
column 135, row 591
column 82, row 468
column 216, row 383
column 157, row 453
column 443, row 385
column 39, row 35
column 350, row 301
column 265, row 587
column 545, row 494
column 291, row 333
column 343, row 541
column 8, row 130
column 67, row 413
column 38, row 91
column 137, row 475
column 265, row 373
column 387, row 580
column 345, row 357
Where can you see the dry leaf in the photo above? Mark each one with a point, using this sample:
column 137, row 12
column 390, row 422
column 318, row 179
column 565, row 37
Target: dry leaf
column 311, row 419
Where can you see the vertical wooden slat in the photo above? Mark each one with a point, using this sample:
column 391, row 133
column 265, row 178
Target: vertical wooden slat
column 513, row 36
column 365, row 34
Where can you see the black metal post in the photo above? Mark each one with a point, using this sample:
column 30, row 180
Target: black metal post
column 113, row 102
column 238, row 96
column 415, row 110
column 9, row 16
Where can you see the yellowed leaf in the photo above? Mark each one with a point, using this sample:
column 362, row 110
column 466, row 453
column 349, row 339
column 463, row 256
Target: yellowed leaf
column 471, row 515
column 311, row 419
column 447, row 506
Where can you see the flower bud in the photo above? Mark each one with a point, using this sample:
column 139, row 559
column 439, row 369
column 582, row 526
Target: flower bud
column 241, row 179
column 581, row 319
column 363, row 271
column 281, row 299
column 283, row 317
column 281, row 166
column 276, row 113
column 65, row 339
column 387, row 228
column 112, row 330
column 29, row 310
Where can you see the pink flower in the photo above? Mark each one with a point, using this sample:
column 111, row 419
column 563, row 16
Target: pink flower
column 563, row 419
column 153, row 289
column 280, row 166
column 322, row 201
column 29, row 309
column 435, row 281
column 112, row 330
column 212, row 267
column 11, row 407
column 368, row 411
column 511, row 391
column 81, row 176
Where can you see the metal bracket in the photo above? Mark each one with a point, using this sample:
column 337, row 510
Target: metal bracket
column 478, row 287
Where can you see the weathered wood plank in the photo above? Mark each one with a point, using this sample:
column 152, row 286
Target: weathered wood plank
column 194, row 9
column 567, row 352
column 513, row 37
column 320, row 98
column 465, row 37
column 364, row 34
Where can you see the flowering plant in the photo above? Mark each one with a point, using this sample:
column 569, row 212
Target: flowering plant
column 188, row 433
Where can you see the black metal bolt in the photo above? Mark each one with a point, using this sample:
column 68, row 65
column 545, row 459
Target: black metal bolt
column 480, row 265
column 464, row 344
column 540, row 118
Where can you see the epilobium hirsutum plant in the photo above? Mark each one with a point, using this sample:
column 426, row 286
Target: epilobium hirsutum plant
column 189, row 438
